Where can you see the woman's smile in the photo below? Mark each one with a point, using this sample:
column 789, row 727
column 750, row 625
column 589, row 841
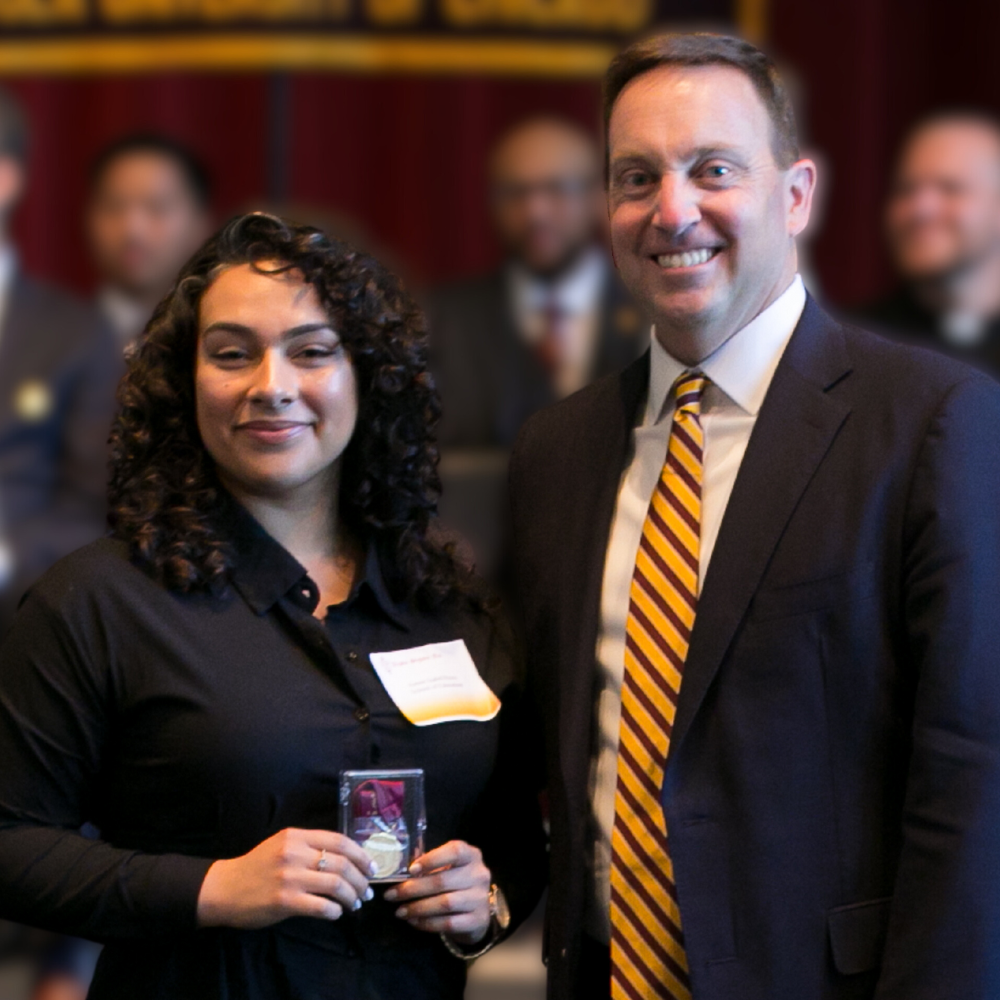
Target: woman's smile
column 275, row 433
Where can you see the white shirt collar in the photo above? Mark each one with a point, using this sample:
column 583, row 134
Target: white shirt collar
column 744, row 365
column 8, row 267
column 126, row 315
column 577, row 291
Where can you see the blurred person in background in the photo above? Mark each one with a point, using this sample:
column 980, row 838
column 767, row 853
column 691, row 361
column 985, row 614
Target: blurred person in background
column 549, row 320
column 59, row 363
column 149, row 211
column 943, row 226
column 554, row 315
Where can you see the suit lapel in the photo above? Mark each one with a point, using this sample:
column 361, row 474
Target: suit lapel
column 622, row 332
column 795, row 428
column 605, row 446
column 16, row 346
column 16, row 318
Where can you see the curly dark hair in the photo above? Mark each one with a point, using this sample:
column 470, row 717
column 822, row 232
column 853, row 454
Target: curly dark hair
column 165, row 498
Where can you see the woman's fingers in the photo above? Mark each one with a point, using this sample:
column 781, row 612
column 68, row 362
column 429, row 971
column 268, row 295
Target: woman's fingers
column 306, row 905
column 344, row 847
column 447, row 880
column 336, row 886
column 293, row 873
column 467, row 901
column 327, row 869
column 450, row 893
column 454, row 854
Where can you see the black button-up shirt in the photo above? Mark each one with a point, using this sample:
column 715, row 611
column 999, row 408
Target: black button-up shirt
column 192, row 727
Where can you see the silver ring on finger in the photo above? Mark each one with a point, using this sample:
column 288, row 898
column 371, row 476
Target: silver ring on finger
column 321, row 864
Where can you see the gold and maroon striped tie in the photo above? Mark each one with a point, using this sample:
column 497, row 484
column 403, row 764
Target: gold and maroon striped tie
column 648, row 961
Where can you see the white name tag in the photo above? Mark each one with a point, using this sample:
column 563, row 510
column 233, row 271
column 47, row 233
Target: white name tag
column 436, row 683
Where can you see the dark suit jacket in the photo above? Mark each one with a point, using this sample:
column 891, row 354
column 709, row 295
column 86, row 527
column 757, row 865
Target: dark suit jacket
column 58, row 354
column 490, row 380
column 833, row 787
column 901, row 317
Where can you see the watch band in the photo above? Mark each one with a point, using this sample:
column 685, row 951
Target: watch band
column 498, row 925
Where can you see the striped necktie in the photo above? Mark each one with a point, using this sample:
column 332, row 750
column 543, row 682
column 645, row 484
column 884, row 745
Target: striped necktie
column 648, row 961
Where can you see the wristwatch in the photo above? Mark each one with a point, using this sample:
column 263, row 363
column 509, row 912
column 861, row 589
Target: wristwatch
column 499, row 910
column 499, row 922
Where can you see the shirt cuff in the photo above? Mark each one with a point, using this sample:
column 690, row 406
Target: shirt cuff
column 166, row 891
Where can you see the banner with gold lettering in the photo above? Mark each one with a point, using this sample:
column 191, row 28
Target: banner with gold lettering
column 518, row 37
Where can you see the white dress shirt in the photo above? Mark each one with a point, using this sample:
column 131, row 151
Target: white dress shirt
column 577, row 294
column 739, row 375
column 127, row 316
column 8, row 265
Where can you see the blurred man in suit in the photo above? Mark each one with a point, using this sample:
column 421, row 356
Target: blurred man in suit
column 943, row 226
column 760, row 571
column 149, row 211
column 554, row 316
column 59, row 366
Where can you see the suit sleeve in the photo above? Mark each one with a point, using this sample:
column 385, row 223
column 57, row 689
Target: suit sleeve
column 56, row 701
column 77, row 511
column 507, row 823
column 944, row 928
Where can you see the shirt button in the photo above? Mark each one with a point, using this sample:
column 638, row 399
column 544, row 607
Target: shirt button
column 352, row 656
column 362, row 714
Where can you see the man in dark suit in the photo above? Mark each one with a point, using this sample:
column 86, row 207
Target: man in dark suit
column 943, row 225
column 760, row 571
column 59, row 364
column 554, row 316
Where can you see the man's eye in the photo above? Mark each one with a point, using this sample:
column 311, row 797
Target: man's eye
column 635, row 179
column 717, row 171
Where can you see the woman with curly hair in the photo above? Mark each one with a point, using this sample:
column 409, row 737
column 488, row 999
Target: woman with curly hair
column 195, row 684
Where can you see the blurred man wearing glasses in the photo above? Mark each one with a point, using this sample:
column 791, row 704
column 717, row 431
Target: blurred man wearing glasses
column 554, row 316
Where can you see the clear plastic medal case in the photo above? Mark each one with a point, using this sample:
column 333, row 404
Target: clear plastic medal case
column 383, row 812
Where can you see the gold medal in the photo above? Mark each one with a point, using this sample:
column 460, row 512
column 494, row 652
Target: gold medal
column 386, row 851
column 33, row 401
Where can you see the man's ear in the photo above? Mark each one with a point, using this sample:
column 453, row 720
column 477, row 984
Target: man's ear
column 11, row 183
column 800, row 185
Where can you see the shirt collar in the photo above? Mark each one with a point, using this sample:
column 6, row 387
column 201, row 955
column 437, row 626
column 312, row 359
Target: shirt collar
column 577, row 291
column 744, row 365
column 264, row 571
column 8, row 267
column 125, row 314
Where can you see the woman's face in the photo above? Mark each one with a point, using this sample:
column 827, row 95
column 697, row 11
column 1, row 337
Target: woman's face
column 275, row 391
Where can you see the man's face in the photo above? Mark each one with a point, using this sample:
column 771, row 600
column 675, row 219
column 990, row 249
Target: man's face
column 144, row 223
column 546, row 196
column 944, row 212
column 702, row 218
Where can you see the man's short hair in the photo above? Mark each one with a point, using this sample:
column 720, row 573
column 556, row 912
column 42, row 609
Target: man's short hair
column 192, row 170
column 972, row 116
column 13, row 127
column 699, row 49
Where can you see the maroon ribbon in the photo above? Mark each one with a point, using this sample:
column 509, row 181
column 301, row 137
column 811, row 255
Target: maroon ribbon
column 378, row 797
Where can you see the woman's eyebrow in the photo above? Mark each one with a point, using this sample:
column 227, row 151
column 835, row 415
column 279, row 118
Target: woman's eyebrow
column 305, row 328
column 224, row 326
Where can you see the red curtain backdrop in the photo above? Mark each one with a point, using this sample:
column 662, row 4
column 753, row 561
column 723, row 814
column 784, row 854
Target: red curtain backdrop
column 403, row 160
column 400, row 162
column 868, row 69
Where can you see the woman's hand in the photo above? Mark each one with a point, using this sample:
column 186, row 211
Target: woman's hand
column 449, row 894
column 295, row 873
